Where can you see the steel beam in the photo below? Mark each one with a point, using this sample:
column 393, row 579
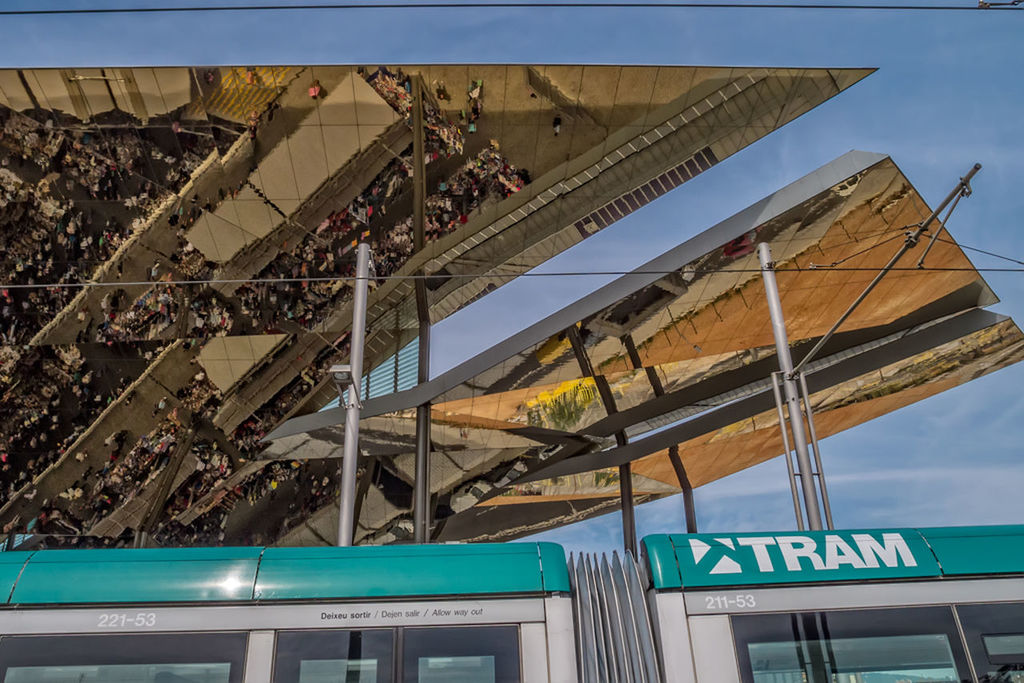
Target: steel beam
column 689, row 512
column 625, row 470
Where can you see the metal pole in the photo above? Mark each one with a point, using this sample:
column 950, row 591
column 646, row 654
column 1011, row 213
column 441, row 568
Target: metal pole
column 814, row 448
column 421, row 480
column 784, row 431
column 963, row 188
column 909, row 243
column 421, row 487
column 421, row 483
column 350, row 457
column 789, row 387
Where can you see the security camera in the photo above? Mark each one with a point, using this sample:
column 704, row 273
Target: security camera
column 342, row 374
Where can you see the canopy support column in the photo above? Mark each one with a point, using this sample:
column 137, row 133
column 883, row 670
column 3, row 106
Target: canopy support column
column 421, row 485
column 625, row 471
column 790, row 390
column 353, row 377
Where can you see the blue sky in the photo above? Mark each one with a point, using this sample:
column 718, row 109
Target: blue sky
column 949, row 92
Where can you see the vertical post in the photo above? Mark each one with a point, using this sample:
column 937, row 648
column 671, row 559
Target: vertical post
column 421, row 485
column 789, row 388
column 350, row 455
column 784, row 431
column 421, row 488
column 628, row 516
column 812, row 432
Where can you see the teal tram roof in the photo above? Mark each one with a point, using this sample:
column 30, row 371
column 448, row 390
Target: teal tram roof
column 685, row 561
column 272, row 574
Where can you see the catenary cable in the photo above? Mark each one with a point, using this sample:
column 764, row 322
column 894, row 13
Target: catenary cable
column 981, row 6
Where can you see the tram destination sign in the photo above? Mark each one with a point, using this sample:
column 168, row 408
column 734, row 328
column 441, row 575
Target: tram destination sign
column 797, row 557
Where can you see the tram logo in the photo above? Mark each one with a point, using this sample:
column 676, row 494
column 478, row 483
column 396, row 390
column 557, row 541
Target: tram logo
column 799, row 553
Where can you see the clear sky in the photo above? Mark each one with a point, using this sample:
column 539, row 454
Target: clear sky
column 949, row 92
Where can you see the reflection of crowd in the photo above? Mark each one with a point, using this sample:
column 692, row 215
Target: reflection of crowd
column 47, row 174
column 148, row 316
column 249, row 434
column 205, row 530
column 125, row 474
column 315, row 490
column 39, row 240
column 64, row 236
column 318, row 265
column 440, row 135
column 322, row 258
column 212, row 467
column 51, row 396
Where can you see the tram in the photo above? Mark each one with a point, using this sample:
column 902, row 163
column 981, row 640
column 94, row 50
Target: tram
column 870, row 606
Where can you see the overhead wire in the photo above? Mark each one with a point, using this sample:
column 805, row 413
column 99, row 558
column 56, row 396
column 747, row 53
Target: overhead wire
column 980, row 251
column 511, row 276
column 981, row 6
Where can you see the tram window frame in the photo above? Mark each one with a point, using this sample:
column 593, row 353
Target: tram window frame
column 117, row 649
column 288, row 666
column 503, row 642
column 979, row 621
column 791, row 627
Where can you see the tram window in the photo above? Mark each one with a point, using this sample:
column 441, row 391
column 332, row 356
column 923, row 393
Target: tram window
column 919, row 645
column 995, row 639
column 481, row 654
column 334, row 656
column 1004, row 646
column 134, row 658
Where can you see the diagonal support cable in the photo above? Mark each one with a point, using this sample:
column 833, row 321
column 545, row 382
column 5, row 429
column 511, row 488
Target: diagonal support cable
column 909, row 243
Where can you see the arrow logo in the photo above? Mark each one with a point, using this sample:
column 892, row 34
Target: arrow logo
column 725, row 564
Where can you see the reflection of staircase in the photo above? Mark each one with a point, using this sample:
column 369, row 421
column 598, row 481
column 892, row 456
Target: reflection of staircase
column 234, row 98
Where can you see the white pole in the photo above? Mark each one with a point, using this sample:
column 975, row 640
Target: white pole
column 350, row 458
column 789, row 388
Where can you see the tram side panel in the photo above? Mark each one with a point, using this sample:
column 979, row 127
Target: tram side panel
column 533, row 646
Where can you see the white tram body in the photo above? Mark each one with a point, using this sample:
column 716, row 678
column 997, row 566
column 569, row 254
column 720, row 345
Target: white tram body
column 873, row 606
